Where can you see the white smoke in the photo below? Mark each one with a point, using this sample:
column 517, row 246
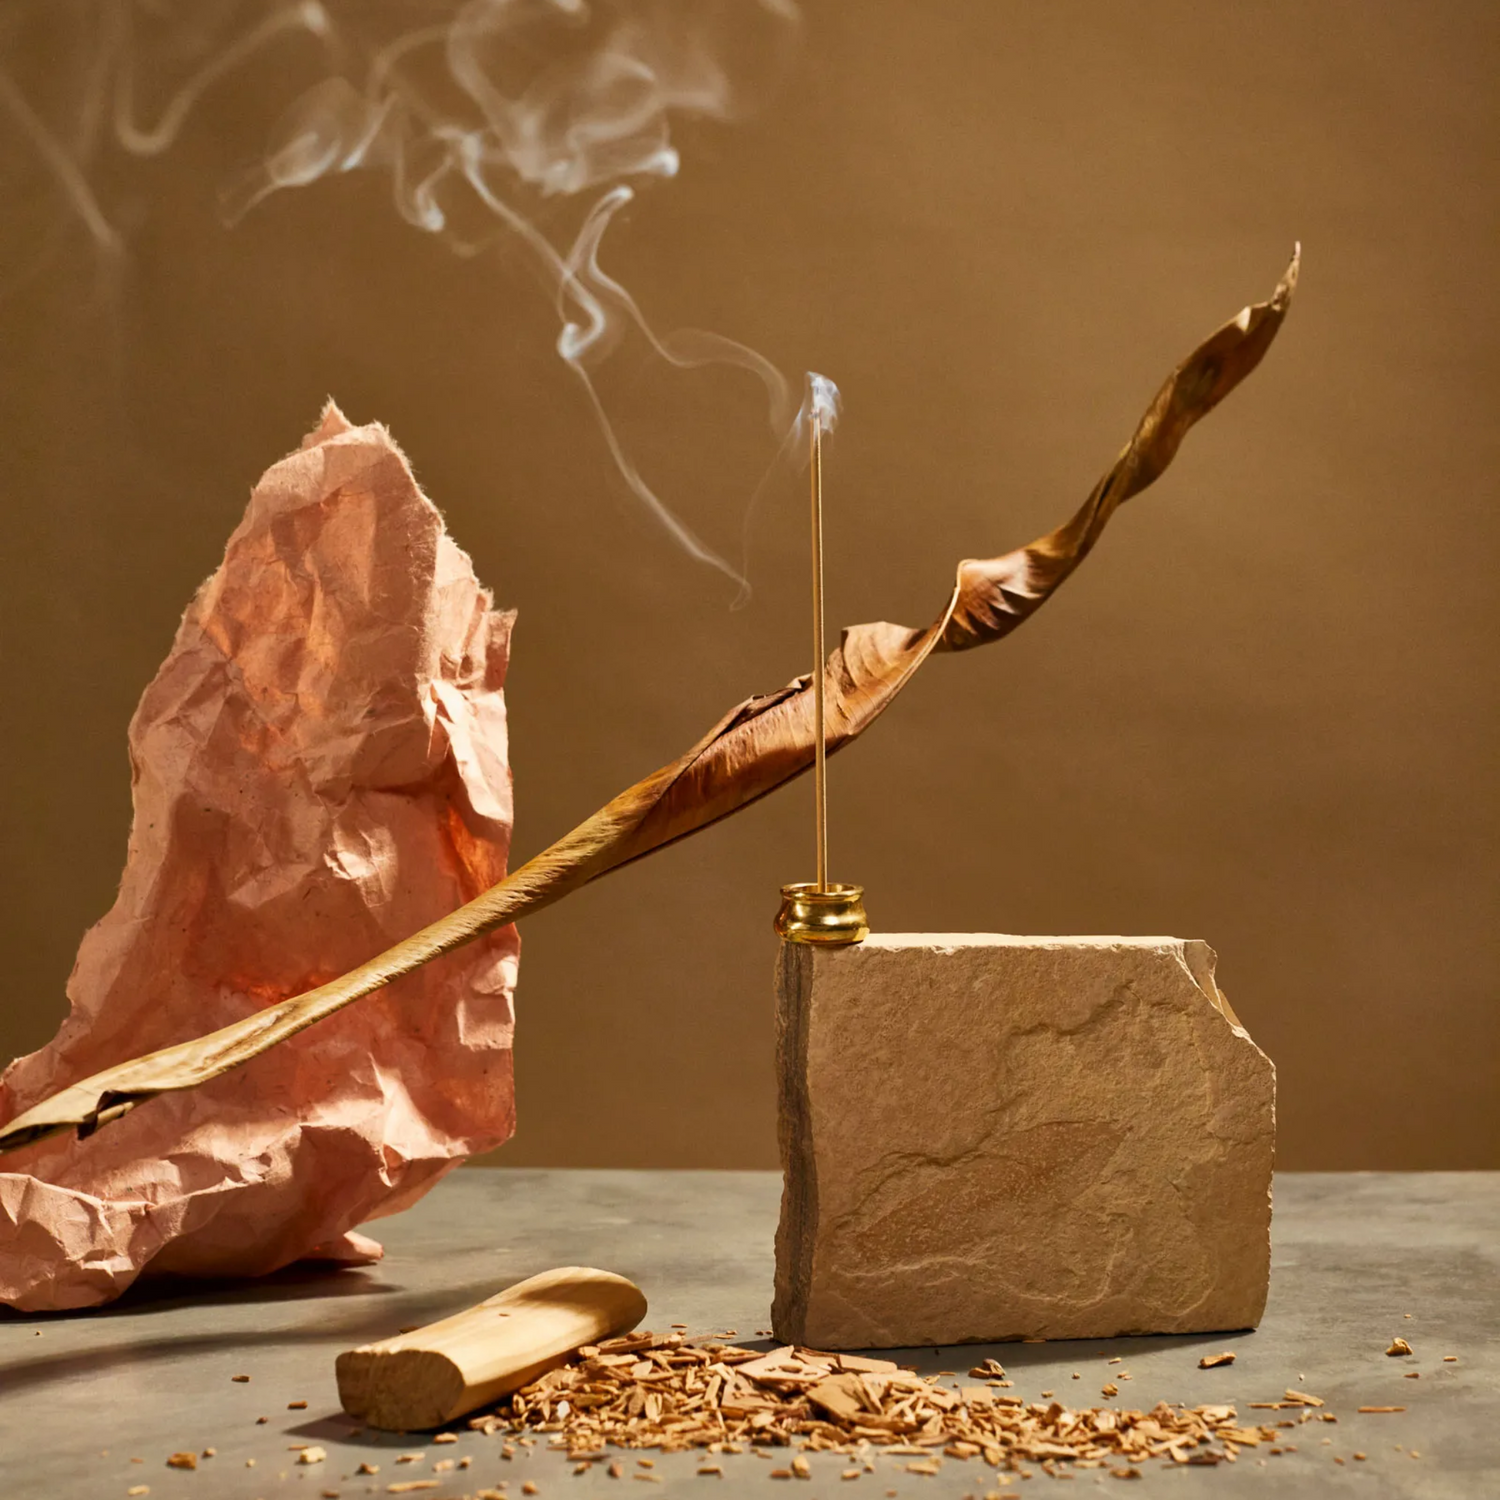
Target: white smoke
column 823, row 403
column 488, row 116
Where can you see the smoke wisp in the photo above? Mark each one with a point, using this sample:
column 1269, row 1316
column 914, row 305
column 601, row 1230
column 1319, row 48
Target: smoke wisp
column 538, row 120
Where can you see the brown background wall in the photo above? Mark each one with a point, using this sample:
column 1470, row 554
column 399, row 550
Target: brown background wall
column 1262, row 714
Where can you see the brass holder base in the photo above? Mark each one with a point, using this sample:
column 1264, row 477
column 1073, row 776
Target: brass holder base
column 832, row 918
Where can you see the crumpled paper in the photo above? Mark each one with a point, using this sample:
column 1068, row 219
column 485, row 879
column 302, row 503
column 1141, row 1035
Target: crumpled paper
column 319, row 768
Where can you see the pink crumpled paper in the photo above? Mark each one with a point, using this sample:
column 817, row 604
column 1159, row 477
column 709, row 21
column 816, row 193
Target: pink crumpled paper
column 319, row 769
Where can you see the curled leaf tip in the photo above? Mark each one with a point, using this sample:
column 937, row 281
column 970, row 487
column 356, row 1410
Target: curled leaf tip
column 1288, row 283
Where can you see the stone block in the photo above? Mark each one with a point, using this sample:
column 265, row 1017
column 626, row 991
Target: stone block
column 988, row 1137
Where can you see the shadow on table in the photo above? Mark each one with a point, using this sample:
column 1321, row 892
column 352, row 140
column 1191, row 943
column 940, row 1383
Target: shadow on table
column 302, row 1280
column 348, row 1324
column 960, row 1358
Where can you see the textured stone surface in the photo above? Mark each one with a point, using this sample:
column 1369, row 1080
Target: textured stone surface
column 989, row 1137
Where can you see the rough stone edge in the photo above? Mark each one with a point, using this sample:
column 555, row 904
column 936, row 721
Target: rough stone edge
column 796, row 1228
column 796, row 1231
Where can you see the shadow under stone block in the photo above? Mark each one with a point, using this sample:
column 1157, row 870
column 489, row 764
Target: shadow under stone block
column 988, row 1137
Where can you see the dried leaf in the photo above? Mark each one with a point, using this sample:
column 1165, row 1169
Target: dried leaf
column 758, row 746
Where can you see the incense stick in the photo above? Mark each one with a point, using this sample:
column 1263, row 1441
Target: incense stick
column 820, row 685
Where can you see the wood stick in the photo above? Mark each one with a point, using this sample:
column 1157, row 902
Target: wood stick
column 429, row 1377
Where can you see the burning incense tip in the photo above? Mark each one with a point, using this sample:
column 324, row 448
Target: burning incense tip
column 823, row 401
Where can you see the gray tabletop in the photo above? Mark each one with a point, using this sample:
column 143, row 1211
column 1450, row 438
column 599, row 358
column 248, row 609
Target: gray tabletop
column 84, row 1395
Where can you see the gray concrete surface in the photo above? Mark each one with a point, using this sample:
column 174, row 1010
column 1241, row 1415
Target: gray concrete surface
column 83, row 1395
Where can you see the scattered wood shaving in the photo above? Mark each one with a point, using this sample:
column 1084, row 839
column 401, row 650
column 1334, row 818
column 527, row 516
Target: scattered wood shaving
column 1381, row 1408
column 410, row 1486
column 1399, row 1346
column 183, row 1461
column 1213, row 1361
column 312, row 1455
column 673, row 1393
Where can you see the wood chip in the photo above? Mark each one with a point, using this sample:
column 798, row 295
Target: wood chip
column 296, row 1406
column 1381, row 1408
column 676, row 1394
column 368, row 1468
column 1301, row 1398
column 312, row 1455
column 139, row 1489
column 446, row 1437
column 410, row 1486
column 1213, row 1361
column 183, row 1461
column 240, row 1379
column 1399, row 1346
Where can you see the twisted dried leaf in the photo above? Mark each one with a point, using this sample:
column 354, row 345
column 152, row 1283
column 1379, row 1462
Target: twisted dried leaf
column 758, row 746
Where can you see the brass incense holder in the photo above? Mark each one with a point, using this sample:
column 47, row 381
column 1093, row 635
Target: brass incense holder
column 831, row 918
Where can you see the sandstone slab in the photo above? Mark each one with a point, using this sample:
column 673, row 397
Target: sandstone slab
column 988, row 1137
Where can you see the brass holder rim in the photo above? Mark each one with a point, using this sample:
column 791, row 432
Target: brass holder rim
column 831, row 917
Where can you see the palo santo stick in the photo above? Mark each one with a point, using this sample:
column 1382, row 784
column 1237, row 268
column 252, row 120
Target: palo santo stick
column 429, row 1377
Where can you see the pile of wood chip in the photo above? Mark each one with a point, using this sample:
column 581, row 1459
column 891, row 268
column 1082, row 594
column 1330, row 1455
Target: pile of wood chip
column 674, row 1393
